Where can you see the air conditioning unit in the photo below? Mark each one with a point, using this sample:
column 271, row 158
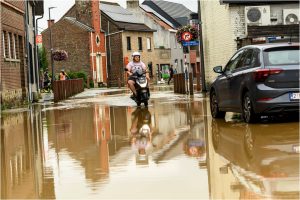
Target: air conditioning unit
column 257, row 15
column 290, row 16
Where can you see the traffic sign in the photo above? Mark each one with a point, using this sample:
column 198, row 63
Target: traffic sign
column 190, row 43
column 186, row 36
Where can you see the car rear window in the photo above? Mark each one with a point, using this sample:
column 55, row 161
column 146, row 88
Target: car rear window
column 282, row 56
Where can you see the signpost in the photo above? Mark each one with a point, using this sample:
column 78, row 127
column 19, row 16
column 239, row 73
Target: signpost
column 190, row 43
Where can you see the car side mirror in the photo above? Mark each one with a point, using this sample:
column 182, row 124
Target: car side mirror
column 218, row 69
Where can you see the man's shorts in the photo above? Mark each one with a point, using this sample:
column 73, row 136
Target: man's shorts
column 131, row 78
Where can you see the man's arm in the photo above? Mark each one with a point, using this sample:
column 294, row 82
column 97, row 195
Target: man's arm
column 128, row 70
column 147, row 71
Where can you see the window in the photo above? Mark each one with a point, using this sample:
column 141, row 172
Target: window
column 17, row 47
column 14, row 50
column 149, row 44
column 246, row 58
column 9, row 44
column 232, row 64
column 140, row 41
column 282, row 56
column 255, row 60
column 3, row 44
column 128, row 43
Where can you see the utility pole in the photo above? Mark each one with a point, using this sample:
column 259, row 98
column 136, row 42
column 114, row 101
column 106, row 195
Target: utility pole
column 51, row 49
column 201, row 49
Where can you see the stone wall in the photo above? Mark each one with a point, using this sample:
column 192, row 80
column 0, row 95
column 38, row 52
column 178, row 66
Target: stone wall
column 75, row 41
column 13, row 69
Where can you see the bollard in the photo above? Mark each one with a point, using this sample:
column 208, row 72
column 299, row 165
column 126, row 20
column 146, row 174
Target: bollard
column 191, row 84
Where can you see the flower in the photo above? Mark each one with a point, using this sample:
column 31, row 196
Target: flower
column 60, row 55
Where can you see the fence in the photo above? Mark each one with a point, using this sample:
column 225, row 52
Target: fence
column 64, row 89
column 183, row 85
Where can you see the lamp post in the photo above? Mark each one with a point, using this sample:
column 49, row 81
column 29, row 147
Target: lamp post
column 51, row 49
column 204, row 89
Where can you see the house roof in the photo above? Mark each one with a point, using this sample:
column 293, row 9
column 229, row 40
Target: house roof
column 175, row 13
column 73, row 21
column 117, row 13
column 122, row 18
column 159, row 21
column 134, row 27
column 257, row 1
column 175, row 10
column 153, row 12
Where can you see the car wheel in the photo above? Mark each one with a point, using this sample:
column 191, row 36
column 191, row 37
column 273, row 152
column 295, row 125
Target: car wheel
column 214, row 107
column 248, row 114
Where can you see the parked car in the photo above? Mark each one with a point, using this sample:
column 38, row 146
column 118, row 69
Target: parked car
column 258, row 80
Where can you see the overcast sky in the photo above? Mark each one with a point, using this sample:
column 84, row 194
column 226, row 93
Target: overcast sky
column 62, row 7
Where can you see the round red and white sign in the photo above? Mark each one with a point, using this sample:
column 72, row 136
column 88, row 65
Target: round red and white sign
column 186, row 36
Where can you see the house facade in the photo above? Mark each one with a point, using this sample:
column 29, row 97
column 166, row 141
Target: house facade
column 79, row 33
column 19, row 71
column 175, row 15
column 124, row 35
column 167, row 51
column 239, row 23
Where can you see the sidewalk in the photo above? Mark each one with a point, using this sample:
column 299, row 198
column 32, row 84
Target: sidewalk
column 93, row 92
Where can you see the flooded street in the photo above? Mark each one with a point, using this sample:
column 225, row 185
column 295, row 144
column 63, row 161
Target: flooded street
column 106, row 148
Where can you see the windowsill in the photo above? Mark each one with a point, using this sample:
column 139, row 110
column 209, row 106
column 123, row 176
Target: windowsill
column 11, row 60
column 149, row 50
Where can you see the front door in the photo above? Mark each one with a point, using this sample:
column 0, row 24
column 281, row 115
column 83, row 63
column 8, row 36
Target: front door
column 99, row 69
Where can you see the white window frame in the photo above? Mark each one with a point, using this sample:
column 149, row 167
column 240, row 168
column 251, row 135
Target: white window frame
column 9, row 47
column 3, row 44
column 149, row 44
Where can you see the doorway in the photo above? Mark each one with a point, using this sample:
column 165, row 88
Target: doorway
column 99, row 68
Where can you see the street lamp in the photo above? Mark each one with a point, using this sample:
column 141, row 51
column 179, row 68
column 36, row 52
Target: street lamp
column 51, row 49
column 204, row 89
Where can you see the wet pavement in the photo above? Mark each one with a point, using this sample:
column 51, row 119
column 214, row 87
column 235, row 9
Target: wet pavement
column 104, row 147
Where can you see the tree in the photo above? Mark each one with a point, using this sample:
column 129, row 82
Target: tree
column 43, row 58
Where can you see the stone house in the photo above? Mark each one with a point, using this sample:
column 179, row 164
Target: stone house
column 239, row 23
column 79, row 33
column 167, row 51
column 19, row 72
column 124, row 35
column 176, row 15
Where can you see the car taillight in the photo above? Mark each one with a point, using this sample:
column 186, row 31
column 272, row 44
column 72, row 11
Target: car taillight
column 261, row 75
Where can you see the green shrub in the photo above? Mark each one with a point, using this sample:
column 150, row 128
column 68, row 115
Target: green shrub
column 79, row 74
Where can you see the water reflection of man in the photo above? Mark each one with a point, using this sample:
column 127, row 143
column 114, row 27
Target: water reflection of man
column 141, row 134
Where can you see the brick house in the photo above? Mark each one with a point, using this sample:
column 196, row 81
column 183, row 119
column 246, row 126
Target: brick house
column 242, row 22
column 19, row 73
column 79, row 33
column 124, row 35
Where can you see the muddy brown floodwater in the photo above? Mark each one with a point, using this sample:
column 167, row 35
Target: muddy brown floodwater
column 103, row 149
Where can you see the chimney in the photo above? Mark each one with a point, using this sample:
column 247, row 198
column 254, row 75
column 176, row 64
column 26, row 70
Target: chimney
column 132, row 4
column 50, row 22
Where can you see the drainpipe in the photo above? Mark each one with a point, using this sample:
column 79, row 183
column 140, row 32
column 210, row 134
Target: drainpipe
column 27, row 53
column 37, row 50
column 92, row 48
